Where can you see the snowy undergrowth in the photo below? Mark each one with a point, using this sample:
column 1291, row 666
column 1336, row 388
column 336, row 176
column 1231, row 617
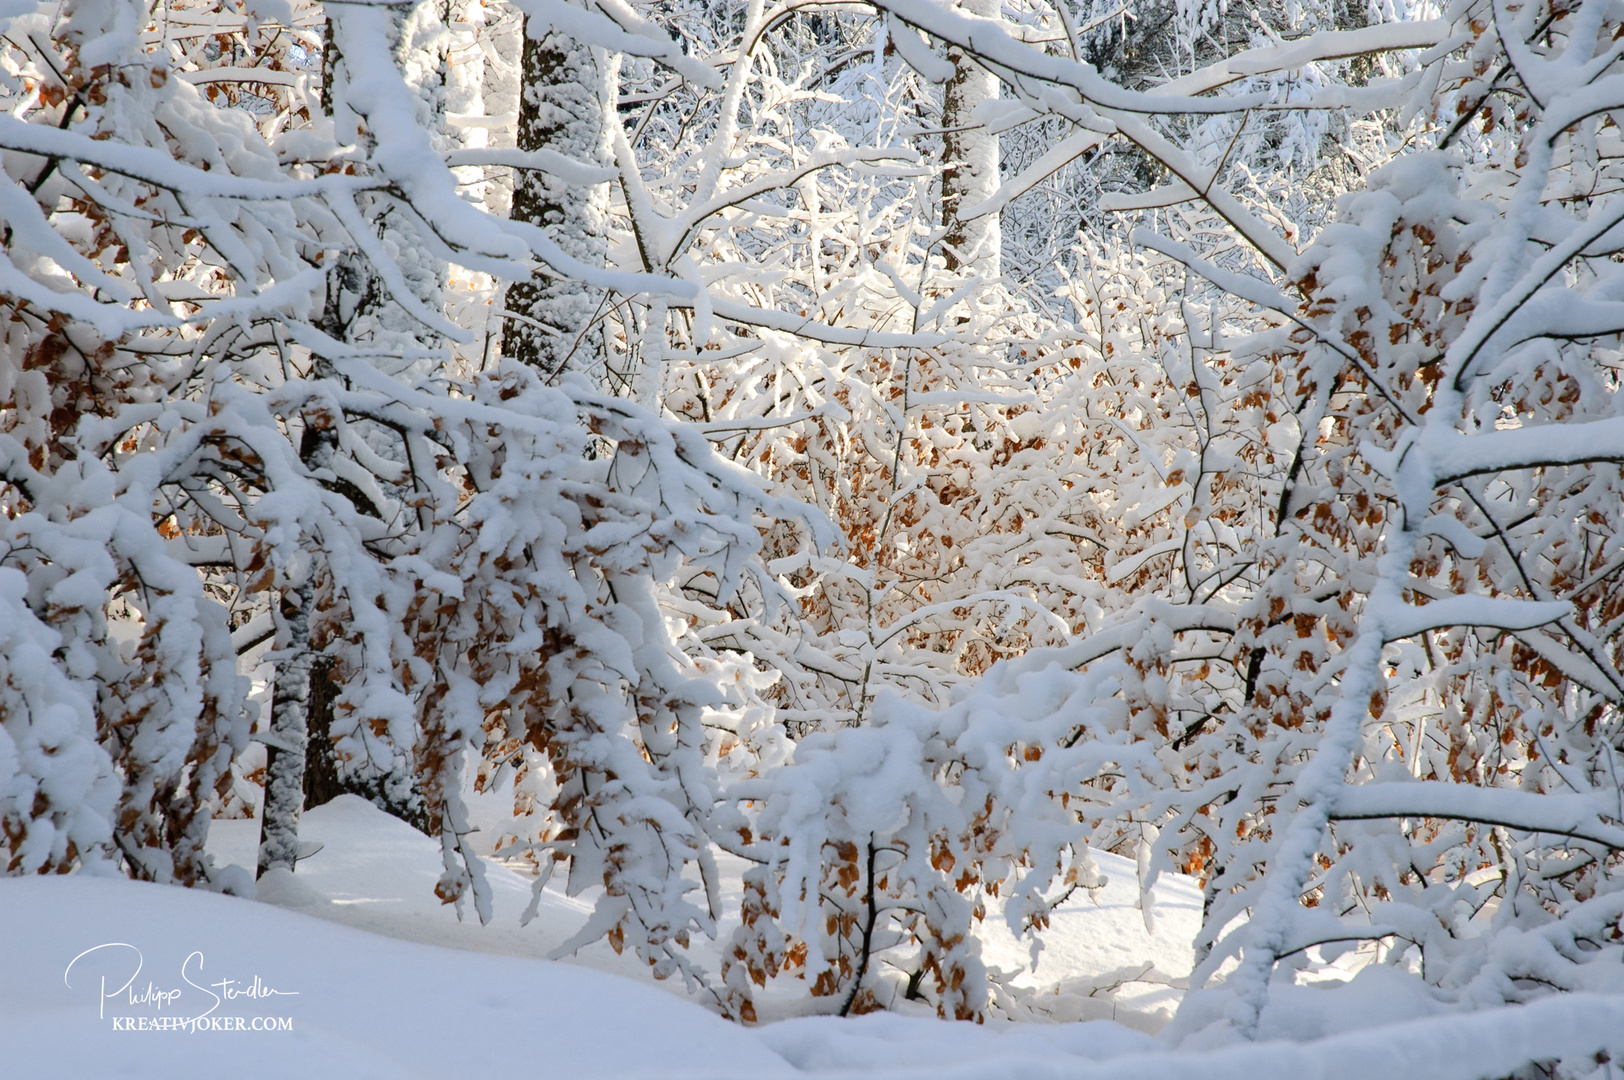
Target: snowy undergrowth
column 374, row 872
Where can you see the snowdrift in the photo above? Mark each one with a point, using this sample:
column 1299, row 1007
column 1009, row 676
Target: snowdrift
column 109, row 977
column 363, row 1005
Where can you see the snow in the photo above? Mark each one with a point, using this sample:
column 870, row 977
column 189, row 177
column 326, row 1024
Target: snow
column 881, row 1042
column 375, row 872
column 366, row 1006
column 363, row 1005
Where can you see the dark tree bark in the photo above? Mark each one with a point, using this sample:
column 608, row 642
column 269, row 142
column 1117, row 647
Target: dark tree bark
column 549, row 320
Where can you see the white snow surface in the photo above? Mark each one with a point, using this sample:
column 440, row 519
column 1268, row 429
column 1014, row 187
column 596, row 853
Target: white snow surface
column 362, row 1004
column 365, row 1005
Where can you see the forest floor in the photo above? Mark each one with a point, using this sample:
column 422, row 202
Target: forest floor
column 376, row 873
column 362, row 973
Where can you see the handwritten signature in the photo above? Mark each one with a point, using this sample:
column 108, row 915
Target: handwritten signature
column 158, row 998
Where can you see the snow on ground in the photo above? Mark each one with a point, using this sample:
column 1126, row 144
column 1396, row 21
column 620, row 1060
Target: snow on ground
column 381, row 995
column 377, row 873
column 360, row 1005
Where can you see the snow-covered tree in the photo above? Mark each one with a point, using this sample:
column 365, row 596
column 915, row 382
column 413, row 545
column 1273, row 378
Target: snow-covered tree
column 632, row 402
column 1377, row 695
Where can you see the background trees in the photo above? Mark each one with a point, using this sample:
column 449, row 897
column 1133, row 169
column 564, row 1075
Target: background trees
column 671, row 444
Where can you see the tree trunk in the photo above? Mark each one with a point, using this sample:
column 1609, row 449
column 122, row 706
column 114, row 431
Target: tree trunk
column 357, row 309
column 285, row 745
column 550, row 319
column 970, row 162
column 322, row 783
